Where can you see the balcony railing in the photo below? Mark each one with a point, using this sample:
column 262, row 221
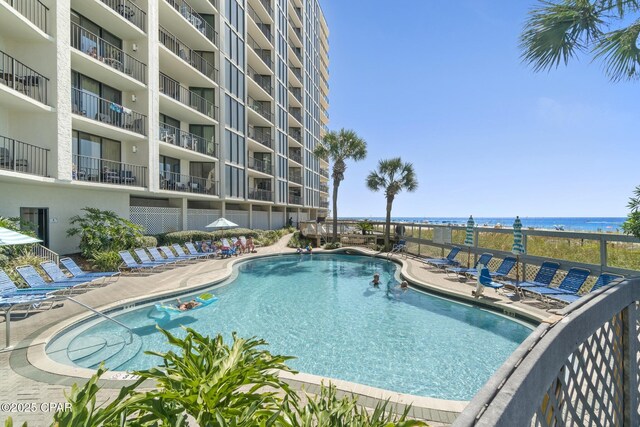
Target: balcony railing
column 108, row 171
column 295, row 177
column 262, row 135
column 324, row 188
column 324, row 172
column 296, row 134
column 108, row 112
column 195, row 19
column 265, row 28
column 36, row 12
column 296, row 156
column 296, row 50
column 296, row 92
column 129, row 11
column 188, row 184
column 295, row 200
column 185, row 53
column 183, row 95
column 297, row 71
column 264, row 54
column 298, row 12
column 324, row 204
column 296, row 112
column 264, row 81
column 175, row 136
column 267, row 6
column 296, row 30
column 258, row 194
column 100, row 49
column 22, row 157
column 261, row 107
column 260, row 165
column 18, row 76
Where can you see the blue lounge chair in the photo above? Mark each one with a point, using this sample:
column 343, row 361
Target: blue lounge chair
column 9, row 289
column 503, row 269
column 194, row 251
column 181, row 253
column 571, row 284
column 486, row 280
column 155, row 254
column 544, row 276
column 35, row 281
column 603, row 280
column 171, row 256
column 228, row 249
column 57, row 276
column 399, row 247
column 445, row 262
column 133, row 265
column 76, row 271
column 484, row 260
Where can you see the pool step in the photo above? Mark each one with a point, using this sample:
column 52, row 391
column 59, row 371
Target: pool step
column 112, row 345
column 79, row 349
column 126, row 353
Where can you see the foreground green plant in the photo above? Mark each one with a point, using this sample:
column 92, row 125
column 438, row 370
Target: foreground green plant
column 632, row 224
column 215, row 384
column 104, row 231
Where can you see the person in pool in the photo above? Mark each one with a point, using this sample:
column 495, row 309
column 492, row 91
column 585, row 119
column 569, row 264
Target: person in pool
column 376, row 280
column 189, row 305
column 404, row 285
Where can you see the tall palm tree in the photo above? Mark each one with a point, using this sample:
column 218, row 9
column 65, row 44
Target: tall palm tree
column 392, row 176
column 336, row 148
column 560, row 30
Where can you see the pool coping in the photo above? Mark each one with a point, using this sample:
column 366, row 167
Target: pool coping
column 429, row 408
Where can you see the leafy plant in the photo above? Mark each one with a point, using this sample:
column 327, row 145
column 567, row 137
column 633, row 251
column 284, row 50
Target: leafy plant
column 298, row 241
column 106, row 261
column 332, row 245
column 19, row 259
column 632, row 224
column 558, row 31
column 337, row 147
column 365, row 226
column 104, row 231
column 8, row 253
column 392, row 176
column 149, row 241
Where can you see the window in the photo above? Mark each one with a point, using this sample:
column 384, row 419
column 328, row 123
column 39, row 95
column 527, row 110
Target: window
column 87, row 145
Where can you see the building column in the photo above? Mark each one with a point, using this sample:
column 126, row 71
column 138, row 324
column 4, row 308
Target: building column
column 250, row 216
column 223, row 210
column 153, row 85
column 62, row 161
column 184, row 205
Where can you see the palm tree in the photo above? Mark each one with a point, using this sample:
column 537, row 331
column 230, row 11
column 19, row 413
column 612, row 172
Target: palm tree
column 560, row 30
column 392, row 176
column 336, row 148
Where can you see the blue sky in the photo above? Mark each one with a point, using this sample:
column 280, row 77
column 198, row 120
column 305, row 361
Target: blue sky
column 441, row 84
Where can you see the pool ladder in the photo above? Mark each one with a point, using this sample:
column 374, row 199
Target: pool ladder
column 105, row 316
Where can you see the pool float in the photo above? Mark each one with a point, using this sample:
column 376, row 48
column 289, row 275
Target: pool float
column 203, row 300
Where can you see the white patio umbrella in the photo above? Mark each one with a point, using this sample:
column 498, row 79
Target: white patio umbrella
column 468, row 241
column 222, row 224
column 518, row 248
column 10, row 238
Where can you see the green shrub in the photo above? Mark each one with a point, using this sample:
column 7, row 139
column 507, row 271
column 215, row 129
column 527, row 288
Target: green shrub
column 7, row 253
column 148, row 242
column 102, row 231
column 334, row 245
column 106, row 261
column 297, row 241
column 22, row 258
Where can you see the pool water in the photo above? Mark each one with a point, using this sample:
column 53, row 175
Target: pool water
column 323, row 309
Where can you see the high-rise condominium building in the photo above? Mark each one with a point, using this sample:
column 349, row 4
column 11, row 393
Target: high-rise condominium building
column 171, row 113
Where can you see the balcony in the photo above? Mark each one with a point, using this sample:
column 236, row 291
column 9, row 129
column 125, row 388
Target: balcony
column 296, row 92
column 189, row 141
column 17, row 76
column 260, row 165
column 296, row 134
column 296, row 51
column 324, row 204
column 183, row 95
column 267, row 7
column 105, row 171
column 129, row 11
column 296, row 156
column 297, row 71
column 195, row 19
column 34, row 10
column 187, row 54
column 21, row 157
column 296, row 112
column 91, row 106
column 264, row 81
column 296, row 30
column 262, row 26
column 295, row 200
column 103, row 51
column 324, row 172
column 258, row 194
column 324, row 188
column 263, row 54
column 261, row 135
column 295, row 177
column 173, row 181
column 261, row 107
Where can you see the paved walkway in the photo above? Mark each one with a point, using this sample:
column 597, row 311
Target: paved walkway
column 27, row 375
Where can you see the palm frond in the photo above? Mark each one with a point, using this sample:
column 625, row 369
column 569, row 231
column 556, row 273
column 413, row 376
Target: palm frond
column 557, row 32
column 620, row 52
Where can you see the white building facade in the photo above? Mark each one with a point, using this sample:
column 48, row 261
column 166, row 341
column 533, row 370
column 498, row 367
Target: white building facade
column 168, row 112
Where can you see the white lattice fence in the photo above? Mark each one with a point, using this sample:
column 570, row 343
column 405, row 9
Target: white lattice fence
column 156, row 220
column 198, row 219
column 260, row 220
column 239, row 217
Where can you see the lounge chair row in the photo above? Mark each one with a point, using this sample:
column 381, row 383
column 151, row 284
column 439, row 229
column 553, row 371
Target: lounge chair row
column 568, row 291
column 161, row 257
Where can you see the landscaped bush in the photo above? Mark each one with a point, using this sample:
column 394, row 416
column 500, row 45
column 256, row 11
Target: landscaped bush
column 9, row 253
column 260, row 237
column 334, row 245
column 149, row 242
column 219, row 385
column 106, row 261
column 102, row 231
column 20, row 259
column 297, row 241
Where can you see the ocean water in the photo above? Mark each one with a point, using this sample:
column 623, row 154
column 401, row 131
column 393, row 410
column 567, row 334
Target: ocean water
column 323, row 309
column 604, row 224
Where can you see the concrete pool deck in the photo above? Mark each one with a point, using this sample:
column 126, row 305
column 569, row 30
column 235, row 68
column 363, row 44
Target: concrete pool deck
column 29, row 376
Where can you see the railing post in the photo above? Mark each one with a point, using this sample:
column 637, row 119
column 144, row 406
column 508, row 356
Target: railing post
column 630, row 364
column 603, row 254
column 476, row 236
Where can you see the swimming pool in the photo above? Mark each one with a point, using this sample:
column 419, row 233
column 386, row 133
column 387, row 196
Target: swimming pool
column 322, row 309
